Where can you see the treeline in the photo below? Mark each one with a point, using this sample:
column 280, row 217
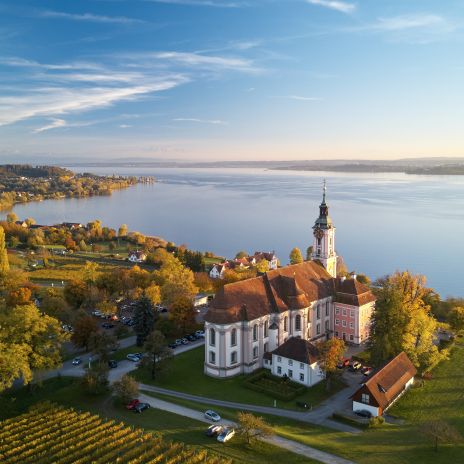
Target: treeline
column 26, row 170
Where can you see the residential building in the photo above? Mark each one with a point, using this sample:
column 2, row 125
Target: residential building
column 137, row 256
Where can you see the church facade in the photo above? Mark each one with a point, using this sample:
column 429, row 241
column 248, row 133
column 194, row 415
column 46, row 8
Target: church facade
column 249, row 319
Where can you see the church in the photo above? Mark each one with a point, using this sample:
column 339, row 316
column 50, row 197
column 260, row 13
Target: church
column 249, row 320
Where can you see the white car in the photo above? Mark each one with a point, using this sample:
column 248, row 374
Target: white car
column 133, row 357
column 200, row 333
column 76, row 361
column 213, row 416
column 226, row 435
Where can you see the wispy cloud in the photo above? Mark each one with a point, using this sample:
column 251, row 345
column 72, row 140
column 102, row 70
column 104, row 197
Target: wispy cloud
column 299, row 98
column 337, row 5
column 211, row 3
column 405, row 22
column 89, row 17
column 201, row 121
column 53, row 125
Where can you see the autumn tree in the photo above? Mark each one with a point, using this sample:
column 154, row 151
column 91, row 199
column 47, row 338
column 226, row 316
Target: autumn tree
column 262, row 266
column 84, row 328
column 241, row 254
column 153, row 293
column 330, row 352
column 125, row 389
column 295, row 256
column 101, row 343
column 12, row 217
column 456, row 318
column 439, row 431
column 401, row 321
column 203, row 281
column 155, row 345
column 75, row 292
column 144, row 319
column 4, row 264
column 107, row 307
column 90, row 272
column 309, row 253
column 95, row 380
column 182, row 313
column 19, row 296
column 252, row 427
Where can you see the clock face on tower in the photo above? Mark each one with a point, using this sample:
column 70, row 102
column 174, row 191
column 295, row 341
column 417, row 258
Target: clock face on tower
column 318, row 233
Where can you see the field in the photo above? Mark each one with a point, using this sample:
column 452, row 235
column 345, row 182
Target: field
column 185, row 373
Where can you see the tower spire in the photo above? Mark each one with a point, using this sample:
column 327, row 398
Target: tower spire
column 324, row 191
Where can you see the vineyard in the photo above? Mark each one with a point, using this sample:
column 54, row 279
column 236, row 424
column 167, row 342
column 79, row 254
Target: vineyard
column 53, row 434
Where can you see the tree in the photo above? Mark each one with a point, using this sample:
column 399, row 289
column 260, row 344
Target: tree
column 144, row 319
column 203, row 281
column 95, row 380
column 153, row 293
column 19, row 296
column 30, row 221
column 439, row 431
column 401, row 321
column 4, row 263
column 84, row 328
column 90, row 272
column 122, row 232
column 364, row 279
column 262, row 266
column 330, row 352
column 295, row 256
column 126, row 389
column 101, row 343
column 456, row 318
column 309, row 253
column 241, row 254
column 155, row 345
column 253, row 427
column 75, row 292
column 11, row 218
column 107, row 307
column 182, row 313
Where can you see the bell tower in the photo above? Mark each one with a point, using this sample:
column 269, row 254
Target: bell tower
column 324, row 238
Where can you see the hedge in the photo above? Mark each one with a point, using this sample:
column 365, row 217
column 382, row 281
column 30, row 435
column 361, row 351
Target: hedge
column 276, row 387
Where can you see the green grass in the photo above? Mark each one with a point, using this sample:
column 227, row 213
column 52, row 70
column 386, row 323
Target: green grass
column 173, row 427
column 121, row 354
column 185, row 374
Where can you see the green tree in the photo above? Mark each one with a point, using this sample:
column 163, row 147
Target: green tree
column 155, row 345
column 330, row 352
column 456, row 318
column 401, row 321
column 182, row 313
column 4, row 263
column 363, row 279
column 252, row 427
column 241, row 254
column 125, row 389
column 439, row 431
column 95, row 380
column 309, row 253
column 295, row 256
column 101, row 344
column 144, row 319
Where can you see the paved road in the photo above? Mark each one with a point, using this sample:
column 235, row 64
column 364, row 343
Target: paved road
column 291, row 445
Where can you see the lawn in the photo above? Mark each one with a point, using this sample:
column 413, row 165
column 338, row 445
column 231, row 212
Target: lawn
column 185, row 374
column 173, row 427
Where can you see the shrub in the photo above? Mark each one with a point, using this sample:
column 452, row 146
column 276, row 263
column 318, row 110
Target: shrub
column 276, row 387
column 376, row 421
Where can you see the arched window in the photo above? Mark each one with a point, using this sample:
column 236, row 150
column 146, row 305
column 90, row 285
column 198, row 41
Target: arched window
column 298, row 322
column 233, row 337
column 285, row 323
column 255, row 332
column 266, row 327
column 212, row 337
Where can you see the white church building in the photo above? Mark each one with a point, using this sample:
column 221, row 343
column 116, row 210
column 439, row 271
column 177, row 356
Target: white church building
column 248, row 320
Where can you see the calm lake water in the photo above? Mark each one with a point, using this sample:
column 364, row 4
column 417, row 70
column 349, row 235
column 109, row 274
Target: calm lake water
column 384, row 222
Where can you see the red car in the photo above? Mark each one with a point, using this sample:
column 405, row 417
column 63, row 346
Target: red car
column 131, row 406
column 343, row 363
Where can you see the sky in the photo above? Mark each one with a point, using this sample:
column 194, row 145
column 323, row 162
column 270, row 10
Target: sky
column 231, row 79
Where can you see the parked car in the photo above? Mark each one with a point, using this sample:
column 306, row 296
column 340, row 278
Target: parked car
column 200, row 333
column 214, row 430
column 112, row 364
column 132, row 404
column 226, row 434
column 363, row 413
column 355, row 366
column 366, row 370
column 76, row 361
column 178, row 342
column 134, row 357
column 107, row 325
column 184, row 341
column 139, row 407
column 173, row 345
column 213, row 416
column 96, row 313
column 191, row 338
column 343, row 363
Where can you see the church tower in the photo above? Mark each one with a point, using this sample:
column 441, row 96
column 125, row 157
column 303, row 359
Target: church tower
column 324, row 238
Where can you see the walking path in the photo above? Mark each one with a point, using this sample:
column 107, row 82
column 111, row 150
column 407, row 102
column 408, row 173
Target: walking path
column 291, row 445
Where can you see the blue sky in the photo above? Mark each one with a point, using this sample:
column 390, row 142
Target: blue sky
column 231, row 79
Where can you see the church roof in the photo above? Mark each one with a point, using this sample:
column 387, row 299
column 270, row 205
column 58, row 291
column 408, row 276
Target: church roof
column 283, row 289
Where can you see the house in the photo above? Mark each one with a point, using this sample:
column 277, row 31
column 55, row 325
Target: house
column 270, row 257
column 296, row 359
column 200, row 299
column 137, row 256
column 384, row 387
column 72, row 225
column 217, row 271
column 251, row 318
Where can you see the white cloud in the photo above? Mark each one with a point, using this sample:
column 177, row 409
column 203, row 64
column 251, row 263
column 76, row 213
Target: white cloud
column 213, row 3
column 53, row 125
column 89, row 17
column 125, row 126
column 299, row 98
column 401, row 23
column 337, row 5
column 201, row 121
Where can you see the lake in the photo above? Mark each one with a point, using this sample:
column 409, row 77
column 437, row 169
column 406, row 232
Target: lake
column 384, row 222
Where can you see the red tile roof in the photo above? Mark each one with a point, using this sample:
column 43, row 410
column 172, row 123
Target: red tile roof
column 299, row 350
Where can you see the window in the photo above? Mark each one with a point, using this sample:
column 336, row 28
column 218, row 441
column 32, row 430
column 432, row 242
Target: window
column 327, row 308
column 344, row 312
column 336, row 333
column 233, row 357
column 266, row 327
column 290, row 374
column 285, row 324
column 290, row 362
column 365, row 398
column 212, row 357
column 337, row 310
column 318, row 312
column 233, row 337
column 351, row 325
column 318, row 329
column 212, row 337
column 301, row 366
column 279, row 359
column 327, row 325
column 255, row 352
column 266, row 347
column 279, row 370
column 337, row 321
column 344, row 323
column 351, row 313
column 351, row 338
column 255, row 332
column 301, row 377
column 298, row 322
